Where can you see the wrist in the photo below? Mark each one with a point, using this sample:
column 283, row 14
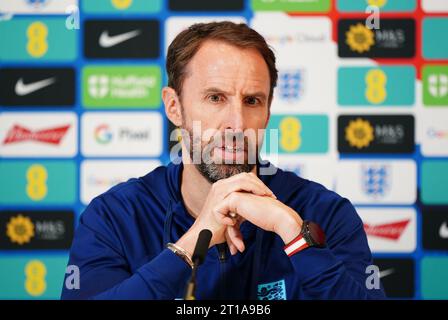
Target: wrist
column 311, row 235
column 181, row 253
column 188, row 241
column 290, row 229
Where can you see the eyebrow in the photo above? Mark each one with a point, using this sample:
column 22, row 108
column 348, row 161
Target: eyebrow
column 215, row 90
column 258, row 94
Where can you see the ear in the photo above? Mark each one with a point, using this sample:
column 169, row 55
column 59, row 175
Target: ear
column 172, row 106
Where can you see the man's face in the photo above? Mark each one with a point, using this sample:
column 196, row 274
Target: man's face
column 226, row 90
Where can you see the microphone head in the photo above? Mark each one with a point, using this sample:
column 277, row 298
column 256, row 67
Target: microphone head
column 200, row 251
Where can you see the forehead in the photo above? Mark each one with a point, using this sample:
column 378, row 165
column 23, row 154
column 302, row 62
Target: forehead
column 217, row 62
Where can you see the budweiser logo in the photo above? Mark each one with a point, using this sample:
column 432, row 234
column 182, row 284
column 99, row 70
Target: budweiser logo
column 19, row 134
column 392, row 231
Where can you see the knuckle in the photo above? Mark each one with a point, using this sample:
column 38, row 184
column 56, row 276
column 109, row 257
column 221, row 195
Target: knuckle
column 244, row 175
column 233, row 197
column 216, row 185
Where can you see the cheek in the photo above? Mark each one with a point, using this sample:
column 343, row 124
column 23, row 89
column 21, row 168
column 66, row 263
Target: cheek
column 191, row 104
column 194, row 117
column 257, row 119
column 208, row 132
column 260, row 125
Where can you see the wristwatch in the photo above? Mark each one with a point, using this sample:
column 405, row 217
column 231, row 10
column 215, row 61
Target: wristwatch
column 311, row 235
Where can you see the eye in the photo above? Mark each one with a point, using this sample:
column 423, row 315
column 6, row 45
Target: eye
column 252, row 101
column 215, row 98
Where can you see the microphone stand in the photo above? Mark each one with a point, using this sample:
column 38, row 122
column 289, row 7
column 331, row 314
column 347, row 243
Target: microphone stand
column 200, row 251
column 191, row 285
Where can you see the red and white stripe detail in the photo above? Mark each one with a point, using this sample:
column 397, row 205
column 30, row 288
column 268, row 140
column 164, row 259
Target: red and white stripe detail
column 296, row 245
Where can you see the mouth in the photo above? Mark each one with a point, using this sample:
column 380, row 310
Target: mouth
column 232, row 149
column 233, row 153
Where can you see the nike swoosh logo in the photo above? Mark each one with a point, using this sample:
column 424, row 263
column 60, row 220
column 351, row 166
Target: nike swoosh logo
column 107, row 41
column 443, row 231
column 23, row 89
column 386, row 273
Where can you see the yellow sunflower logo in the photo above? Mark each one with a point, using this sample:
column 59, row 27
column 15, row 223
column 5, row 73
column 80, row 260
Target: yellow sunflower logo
column 359, row 133
column 20, row 229
column 378, row 3
column 360, row 38
column 121, row 4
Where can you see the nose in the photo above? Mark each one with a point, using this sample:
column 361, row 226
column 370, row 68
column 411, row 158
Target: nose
column 235, row 117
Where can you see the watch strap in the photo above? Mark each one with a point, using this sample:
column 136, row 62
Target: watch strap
column 296, row 245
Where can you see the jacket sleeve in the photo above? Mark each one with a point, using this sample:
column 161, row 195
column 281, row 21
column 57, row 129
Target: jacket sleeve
column 104, row 272
column 338, row 271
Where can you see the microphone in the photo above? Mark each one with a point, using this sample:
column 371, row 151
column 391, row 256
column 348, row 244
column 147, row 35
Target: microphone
column 200, row 251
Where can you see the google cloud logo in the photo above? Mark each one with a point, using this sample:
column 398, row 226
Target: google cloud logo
column 103, row 134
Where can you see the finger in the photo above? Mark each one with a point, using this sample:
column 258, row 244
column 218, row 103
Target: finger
column 226, row 220
column 222, row 216
column 233, row 249
column 253, row 177
column 246, row 205
column 248, row 183
column 224, row 207
column 248, row 186
column 233, row 243
column 236, row 217
column 236, row 237
column 233, row 215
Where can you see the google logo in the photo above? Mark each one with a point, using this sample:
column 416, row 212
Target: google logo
column 103, row 135
column 437, row 134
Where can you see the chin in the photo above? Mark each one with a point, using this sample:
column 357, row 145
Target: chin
column 214, row 172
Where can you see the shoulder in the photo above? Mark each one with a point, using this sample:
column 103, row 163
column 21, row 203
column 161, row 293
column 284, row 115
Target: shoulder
column 146, row 185
column 125, row 198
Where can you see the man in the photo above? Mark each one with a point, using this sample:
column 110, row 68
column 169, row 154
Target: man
column 136, row 240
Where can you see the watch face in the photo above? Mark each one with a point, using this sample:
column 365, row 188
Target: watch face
column 316, row 234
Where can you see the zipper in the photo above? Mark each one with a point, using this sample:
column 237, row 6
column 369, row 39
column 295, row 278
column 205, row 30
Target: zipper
column 222, row 256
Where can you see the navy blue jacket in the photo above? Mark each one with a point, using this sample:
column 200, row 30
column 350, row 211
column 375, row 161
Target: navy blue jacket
column 119, row 247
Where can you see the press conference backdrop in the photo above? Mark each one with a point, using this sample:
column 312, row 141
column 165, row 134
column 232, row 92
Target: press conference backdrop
column 362, row 111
